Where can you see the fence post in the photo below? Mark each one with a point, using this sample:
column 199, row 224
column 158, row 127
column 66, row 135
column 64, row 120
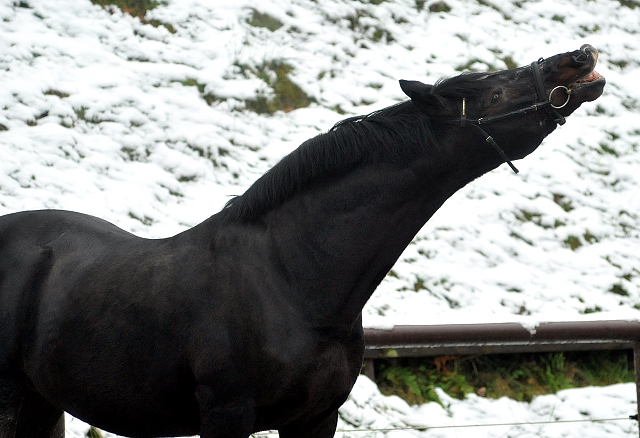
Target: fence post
column 369, row 369
column 636, row 365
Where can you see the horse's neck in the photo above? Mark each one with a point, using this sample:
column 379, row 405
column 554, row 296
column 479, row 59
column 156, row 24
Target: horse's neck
column 338, row 239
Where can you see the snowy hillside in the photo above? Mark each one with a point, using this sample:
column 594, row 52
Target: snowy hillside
column 154, row 127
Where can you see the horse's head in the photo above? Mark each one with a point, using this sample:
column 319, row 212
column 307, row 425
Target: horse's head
column 516, row 107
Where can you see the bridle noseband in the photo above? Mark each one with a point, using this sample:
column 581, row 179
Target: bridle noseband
column 547, row 105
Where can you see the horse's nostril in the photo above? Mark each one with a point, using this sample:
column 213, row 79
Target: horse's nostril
column 585, row 53
column 580, row 58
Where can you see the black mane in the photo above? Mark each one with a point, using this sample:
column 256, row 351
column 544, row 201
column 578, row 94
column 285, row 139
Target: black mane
column 393, row 133
column 464, row 85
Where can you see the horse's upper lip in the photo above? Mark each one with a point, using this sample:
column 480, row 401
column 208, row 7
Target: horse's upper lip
column 592, row 75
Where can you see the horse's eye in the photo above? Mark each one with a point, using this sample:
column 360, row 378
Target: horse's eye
column 495, row 97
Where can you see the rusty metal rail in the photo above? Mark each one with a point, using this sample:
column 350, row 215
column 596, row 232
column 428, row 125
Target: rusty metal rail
column 501, row 338
column 434, row 340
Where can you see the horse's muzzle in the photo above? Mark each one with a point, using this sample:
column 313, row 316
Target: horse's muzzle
column 587, row 53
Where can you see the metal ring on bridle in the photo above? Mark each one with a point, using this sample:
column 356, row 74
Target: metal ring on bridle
column 565, row 102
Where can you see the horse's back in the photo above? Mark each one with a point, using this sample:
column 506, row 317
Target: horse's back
column 39, row 227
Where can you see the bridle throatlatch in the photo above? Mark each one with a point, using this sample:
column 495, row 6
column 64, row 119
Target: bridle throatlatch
column 547, row 105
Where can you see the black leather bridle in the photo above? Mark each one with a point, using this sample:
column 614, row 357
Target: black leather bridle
column 546, row 105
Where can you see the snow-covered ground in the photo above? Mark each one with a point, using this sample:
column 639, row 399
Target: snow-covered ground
column 369, row 414
column 102, row 114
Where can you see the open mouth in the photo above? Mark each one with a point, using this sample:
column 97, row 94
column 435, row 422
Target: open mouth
column 591, row 77
column 586, row 89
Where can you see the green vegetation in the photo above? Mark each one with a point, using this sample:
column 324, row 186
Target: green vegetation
column 619, row 289
column 258, row 19
column 361, row 22
column 631, row 4
column 572, row 242
column 208, row 97
column 146, row 220
column 476, row 64
column 94, row 433
column 606, row 149
column 439, row 7
column 509, row 62
column 536, row 218
column 563, row 202
column 286, row 96
column 517, row 376
column 136, row 8
column 57, row 93
column 575, row 242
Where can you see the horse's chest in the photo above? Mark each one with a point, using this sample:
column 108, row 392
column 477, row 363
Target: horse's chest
column 318, row 380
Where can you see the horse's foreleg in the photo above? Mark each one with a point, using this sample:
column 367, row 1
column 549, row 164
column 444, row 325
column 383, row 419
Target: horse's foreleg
column 224, row 419
column 39, row 418
column 324, row 428
column 11, row 396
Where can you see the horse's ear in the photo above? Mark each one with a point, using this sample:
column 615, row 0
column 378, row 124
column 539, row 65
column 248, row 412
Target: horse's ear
column 420, row 94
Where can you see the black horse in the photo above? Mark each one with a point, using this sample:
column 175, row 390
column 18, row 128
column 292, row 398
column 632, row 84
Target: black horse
column 251, row 320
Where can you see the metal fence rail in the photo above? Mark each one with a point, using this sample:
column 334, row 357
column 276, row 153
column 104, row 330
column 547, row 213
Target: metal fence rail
column 464, row 339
